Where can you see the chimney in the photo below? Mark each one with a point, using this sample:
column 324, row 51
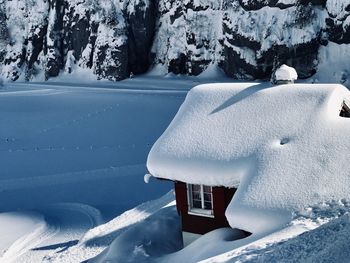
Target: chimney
column 284, row 75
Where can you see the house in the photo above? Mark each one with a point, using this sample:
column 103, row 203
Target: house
column 248, row 155
column 202, row 208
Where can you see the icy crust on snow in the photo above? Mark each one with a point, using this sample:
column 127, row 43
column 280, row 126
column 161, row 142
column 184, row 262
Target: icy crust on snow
column 282, row 145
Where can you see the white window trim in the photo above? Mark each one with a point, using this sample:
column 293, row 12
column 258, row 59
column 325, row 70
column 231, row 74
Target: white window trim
column 199, row 211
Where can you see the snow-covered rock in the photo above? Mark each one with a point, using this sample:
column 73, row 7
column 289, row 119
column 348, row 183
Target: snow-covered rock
column 285, row 74
column 114, row 38
column 43, row 39
column 282, row 146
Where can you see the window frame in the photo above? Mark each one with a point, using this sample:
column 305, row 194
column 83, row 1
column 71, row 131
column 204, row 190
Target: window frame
column 199, row 211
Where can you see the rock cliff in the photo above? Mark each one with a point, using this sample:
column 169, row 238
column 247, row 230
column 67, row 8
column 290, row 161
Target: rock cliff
column 114, row 38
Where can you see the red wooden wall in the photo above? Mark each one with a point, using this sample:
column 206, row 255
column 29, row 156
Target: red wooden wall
column 201, row 224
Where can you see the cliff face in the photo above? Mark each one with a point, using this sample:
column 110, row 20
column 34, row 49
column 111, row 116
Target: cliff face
column 51, row 36
column 113, row 38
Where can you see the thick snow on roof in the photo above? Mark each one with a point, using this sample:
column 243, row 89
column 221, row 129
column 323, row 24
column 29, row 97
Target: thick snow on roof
column 285, row 72
column 285, row 146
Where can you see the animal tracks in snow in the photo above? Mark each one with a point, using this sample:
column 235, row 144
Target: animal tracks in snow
column 79, row 119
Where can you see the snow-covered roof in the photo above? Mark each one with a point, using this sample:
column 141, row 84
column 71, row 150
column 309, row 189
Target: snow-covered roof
column 285, row 146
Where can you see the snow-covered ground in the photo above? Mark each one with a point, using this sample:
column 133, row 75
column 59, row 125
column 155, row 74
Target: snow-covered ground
column 73, row 156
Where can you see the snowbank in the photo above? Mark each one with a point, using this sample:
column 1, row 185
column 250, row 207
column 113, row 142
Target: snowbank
column 328, row 243
column 17, row 231
column 283, row 146
column 317, row 232
column 113, row 228
column 158, row 235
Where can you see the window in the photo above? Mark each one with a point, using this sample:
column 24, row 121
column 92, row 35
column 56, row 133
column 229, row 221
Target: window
column 345, row 111
column 200, row 199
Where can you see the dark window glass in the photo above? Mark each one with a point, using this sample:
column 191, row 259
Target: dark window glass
column 196, row 187
column 207, row 205
column 197, row 204
column 206, row 189
column 207, row 197
column 196, row 196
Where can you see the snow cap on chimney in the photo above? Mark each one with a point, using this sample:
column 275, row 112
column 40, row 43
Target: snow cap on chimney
column 284, row 75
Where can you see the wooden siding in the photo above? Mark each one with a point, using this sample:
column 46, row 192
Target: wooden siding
column 202, row 224
column 181, row 198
